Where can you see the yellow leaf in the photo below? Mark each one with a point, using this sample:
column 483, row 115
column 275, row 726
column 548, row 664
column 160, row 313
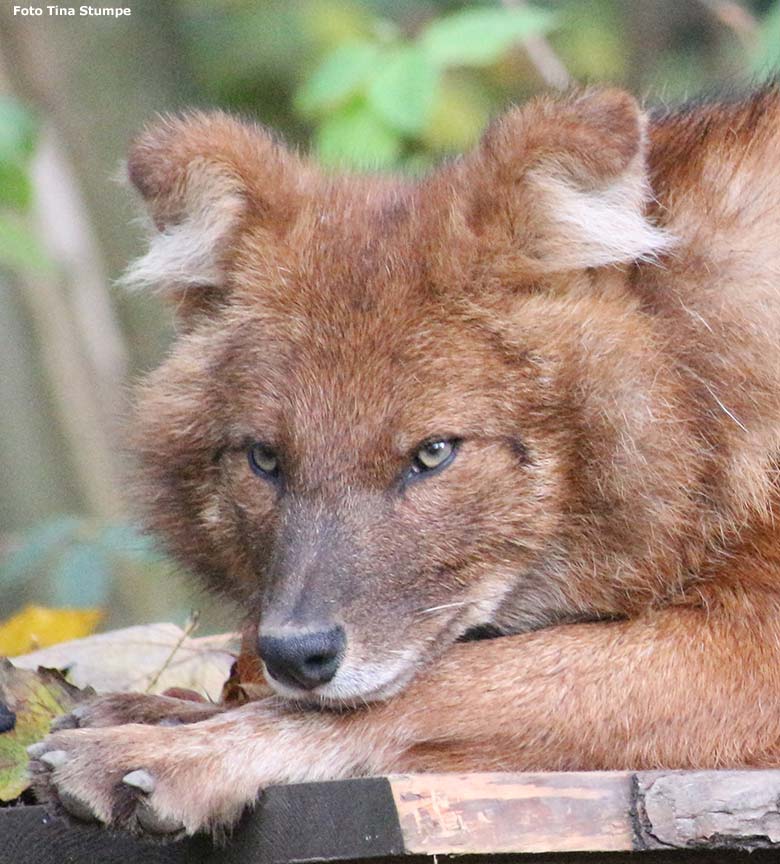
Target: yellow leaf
column 38, row 626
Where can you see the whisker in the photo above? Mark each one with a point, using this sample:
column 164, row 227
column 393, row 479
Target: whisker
column 446, row 606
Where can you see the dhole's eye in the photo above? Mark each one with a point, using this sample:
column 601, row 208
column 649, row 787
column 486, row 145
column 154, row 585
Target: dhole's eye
column 263, row 460
column 433, row 455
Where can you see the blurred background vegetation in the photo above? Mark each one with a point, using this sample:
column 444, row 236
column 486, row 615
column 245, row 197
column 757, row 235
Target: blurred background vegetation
column 366, row 83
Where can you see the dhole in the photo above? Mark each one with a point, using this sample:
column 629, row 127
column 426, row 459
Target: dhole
column 534, row 395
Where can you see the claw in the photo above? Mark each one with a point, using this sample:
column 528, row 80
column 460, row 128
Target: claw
column 35, row 751
column 153, row 823
column 54, row 759
column 77, row 808
column 140, row 779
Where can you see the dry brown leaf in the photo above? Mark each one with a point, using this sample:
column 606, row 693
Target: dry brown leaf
column 247, row 680
column 132, row 659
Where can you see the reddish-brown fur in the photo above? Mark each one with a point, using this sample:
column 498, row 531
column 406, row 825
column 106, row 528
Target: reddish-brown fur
column 593, row 310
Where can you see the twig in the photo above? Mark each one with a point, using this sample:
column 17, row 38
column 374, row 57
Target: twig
column 542, row 56
column 189, row 628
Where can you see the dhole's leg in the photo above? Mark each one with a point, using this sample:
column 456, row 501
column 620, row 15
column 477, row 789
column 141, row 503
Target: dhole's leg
column 117, row 709
column 679, row 687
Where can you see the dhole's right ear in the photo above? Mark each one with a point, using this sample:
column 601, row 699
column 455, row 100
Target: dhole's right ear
column 557, row 185
column 204, row 178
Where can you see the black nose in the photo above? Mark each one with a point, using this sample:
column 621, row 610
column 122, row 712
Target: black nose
column 305, row 658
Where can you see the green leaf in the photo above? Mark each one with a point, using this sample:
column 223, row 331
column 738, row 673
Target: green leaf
column 82, row 577
column 19, row 248
column 356, row 137
column 328, row 22
column 29, row 701
column 17, row 131
column 478, row 37
column 341, row 75
column 403, row 90
column 458, row 117
column 15, row 188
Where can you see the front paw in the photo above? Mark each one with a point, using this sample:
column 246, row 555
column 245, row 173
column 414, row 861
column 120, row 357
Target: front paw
column 119, row 709
column 147, row 780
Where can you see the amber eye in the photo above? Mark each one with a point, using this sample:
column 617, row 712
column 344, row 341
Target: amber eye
column 263, row 460
column 434, row 454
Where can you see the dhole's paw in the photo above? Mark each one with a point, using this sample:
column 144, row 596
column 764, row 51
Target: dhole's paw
column 119, row 709
column 155, row 781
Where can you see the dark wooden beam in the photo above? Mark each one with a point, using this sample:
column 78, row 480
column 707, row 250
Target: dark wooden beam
column 28, row 835
column 707, row 817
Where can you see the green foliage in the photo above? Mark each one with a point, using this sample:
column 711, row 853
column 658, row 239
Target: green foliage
column 478, row 37
column 430, row 73
column 374, row 100
column 20, row 249
column 17, row 129
column 340, row 76
column 357, row 135
column 17, row 135
column 403, row 89
column 15, row 189
column 594, row 46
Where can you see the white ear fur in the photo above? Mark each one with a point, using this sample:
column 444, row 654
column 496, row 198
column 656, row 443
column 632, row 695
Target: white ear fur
column 593, row 227
column 187, row 252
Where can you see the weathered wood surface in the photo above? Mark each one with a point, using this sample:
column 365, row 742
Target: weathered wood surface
column 706, row 817
column 588, row 812
column 476, row 813
column 708, row 809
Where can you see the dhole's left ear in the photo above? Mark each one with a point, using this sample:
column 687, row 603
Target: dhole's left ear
column 561, row 184
column 203, row 178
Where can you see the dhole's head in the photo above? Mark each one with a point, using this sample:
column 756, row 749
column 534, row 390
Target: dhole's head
column 393, row 408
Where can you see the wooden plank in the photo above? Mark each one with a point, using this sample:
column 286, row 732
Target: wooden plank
column 521, row 813
column 708, row 809
column 707, row 817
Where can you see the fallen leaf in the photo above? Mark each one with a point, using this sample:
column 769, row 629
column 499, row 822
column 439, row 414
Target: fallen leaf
column 247, row 677
column 29, row 701
column 38, row 626
column 146, row 658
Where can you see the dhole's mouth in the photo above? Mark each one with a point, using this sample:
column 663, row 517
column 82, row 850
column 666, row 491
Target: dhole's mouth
column 353, row 683
column 326, row 665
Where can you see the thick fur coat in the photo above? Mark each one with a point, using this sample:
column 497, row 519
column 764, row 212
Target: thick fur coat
column 585, row 310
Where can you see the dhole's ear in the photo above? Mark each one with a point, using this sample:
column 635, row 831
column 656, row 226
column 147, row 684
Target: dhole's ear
column 561, row 184
column 203, row 178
